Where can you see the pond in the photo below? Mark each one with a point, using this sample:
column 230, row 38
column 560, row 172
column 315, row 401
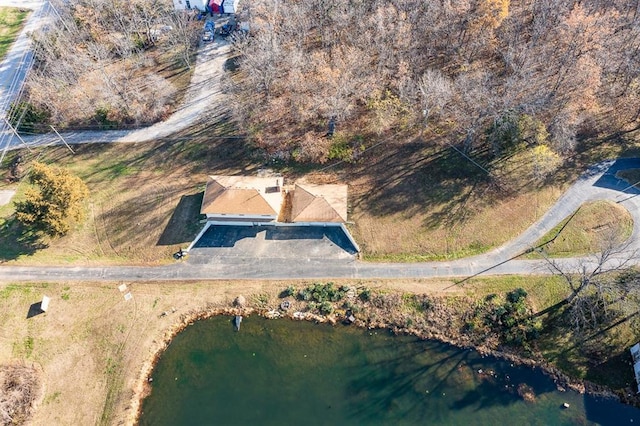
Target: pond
column 275, row 372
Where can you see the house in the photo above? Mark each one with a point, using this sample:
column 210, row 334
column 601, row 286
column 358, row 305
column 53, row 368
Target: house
column 242, row 198
column 191, row 4
column 266, row 201
column 214, row 6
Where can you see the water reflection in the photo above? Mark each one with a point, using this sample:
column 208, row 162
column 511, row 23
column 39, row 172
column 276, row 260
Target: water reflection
column 284, row 372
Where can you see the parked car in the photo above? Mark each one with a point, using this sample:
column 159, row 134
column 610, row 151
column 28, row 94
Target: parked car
column 209, row 31
column 227, row 29
column 207, row 36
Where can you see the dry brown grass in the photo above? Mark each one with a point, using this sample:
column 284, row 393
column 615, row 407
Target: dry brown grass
column 20, row 388
column 413, row 202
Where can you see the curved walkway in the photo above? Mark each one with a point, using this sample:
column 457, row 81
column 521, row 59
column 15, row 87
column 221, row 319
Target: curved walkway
column 597, row 183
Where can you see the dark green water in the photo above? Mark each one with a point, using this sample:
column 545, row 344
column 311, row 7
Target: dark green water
column 281, row 372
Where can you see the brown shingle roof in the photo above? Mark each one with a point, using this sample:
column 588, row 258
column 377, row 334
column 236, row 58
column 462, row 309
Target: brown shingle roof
column 234, row 195
column 319, row 203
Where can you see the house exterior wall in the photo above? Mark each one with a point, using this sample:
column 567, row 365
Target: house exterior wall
column 241, row 217
column 230, row 6
column 190, row 4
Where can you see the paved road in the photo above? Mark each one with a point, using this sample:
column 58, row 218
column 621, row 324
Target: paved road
column 598, row 183
column 17, row 62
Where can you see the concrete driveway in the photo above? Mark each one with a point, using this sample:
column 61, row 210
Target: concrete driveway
column 229, row 244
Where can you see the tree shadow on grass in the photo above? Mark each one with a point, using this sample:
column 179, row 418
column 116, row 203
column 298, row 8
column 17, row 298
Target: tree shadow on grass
column 183, row 224
column 416, row 178
column 593, row 355
column 15, row 241
column 205, row 148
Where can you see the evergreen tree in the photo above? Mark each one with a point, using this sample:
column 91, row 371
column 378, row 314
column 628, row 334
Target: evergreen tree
column 55, row 202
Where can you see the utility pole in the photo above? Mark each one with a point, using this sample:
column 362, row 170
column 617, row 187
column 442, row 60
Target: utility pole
column 17, row 135
column 474, row 162
column 61, row 138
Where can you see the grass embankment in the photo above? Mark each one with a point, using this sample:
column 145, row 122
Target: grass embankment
column 92, row 345
column 585, row 231
column 599, row 356
column 11, row 22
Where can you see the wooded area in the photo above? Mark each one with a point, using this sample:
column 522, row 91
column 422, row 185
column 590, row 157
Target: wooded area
column 100, row 64
column 488, row 75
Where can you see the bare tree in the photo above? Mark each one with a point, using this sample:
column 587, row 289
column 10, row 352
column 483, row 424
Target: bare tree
column 94, row 63
column 597, row 293
column 184, row 35
column 436, row 91
column 466, row 63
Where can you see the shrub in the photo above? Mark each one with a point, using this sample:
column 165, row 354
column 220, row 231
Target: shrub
column 319, row 292
column 325, row 308
column 511, row 318
column 340, row 150
column 288, row 292
column 34, row 119
column 365, row 294
column 102, row 118
column 54, row 204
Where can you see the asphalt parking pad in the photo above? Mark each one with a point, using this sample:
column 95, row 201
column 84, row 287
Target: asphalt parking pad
column 610, row 179
column 331, row 233
column 268, row 241
column 226, row 236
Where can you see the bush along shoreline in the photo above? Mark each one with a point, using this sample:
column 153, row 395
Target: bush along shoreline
column 499, row 326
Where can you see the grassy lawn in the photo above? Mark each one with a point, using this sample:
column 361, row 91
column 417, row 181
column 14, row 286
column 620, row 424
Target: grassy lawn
column 600, row 356
column 586, row 230
column 11, row 22
column 542, row 291
column 144, row 203
column 417, row 203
